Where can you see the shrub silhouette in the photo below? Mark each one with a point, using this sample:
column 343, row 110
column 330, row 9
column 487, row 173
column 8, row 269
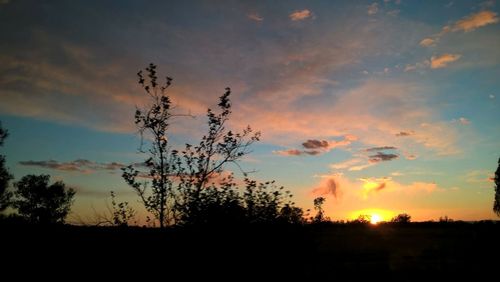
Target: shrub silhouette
column 39, row 202
column 5, row 176
column 401, row 218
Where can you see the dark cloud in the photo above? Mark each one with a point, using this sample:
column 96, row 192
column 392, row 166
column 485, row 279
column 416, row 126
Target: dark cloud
column 404, row 133
column 381, row 157
column 380, row 186
column 381, row 148
column 315, row 144
column 328, row 187
column 79, row 165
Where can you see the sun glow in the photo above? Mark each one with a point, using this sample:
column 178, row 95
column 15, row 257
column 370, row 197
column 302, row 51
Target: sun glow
column 375, row 218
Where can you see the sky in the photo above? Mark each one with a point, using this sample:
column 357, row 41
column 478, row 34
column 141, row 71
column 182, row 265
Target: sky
column 382, row 107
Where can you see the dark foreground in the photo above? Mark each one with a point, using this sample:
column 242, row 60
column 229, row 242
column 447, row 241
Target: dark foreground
column 412, row 252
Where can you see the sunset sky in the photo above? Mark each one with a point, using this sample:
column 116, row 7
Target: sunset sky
column 380, row 106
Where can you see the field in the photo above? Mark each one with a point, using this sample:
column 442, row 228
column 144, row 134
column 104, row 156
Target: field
column 409, row 252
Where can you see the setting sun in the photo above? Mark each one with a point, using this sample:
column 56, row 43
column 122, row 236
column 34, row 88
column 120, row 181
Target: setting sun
column 375, row 218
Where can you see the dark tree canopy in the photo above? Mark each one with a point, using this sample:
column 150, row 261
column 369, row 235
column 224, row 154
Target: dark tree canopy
column 39, row 202
column 5, row 176
column 401, row 218
column 496, row 204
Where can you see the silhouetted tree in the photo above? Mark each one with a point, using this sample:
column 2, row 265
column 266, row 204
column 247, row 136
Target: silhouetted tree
column 200, row 164
column 5, row 176
column 496, row 204
column 38, row 202
column 318, row 206
column 362, row 219
column 291, row 214
column 153, row 123
column 401, row 218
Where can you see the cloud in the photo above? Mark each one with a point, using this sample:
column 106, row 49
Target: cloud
column 255, row 17
column 382, row 157
column 479, row 176
column 381, row 148
column 466, row 24
column 443, row 60
column 474, row 21
column 328, row 187
column 404, row 133
column 373, row 9
column 464, row 121
column 295, row 152
column 426, row 42
column 316, row 147
column 300, row 15
column 315, row 144
column 79, row 165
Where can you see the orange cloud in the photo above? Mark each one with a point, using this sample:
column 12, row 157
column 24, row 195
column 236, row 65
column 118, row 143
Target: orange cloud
column 466, row 24
column 255, row 17
column 426, row 42
column 300, row 15
column 474, row 21
column 443, row 60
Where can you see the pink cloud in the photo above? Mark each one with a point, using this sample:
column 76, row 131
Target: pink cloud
column 300, row 15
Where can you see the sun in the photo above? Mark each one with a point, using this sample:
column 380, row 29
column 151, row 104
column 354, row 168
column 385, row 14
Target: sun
column 375, row 218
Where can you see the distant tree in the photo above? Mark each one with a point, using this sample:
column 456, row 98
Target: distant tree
column 5, row 176
column 39, row 202
column 291, row 214
column 153, row 124
column 445, row 219
column 362, row 219
column 401, row 218
column 496, row 204
column 318, row 206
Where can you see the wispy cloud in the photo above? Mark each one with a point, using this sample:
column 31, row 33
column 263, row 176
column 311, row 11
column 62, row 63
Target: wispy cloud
column 79, row 165
column 300, row 15
column 255, row 17
column 295, row 152
column 442, row 61
column 372, row 9
column 404, row 133
column 474, row 21
column 466, row 24
column 464, row 121
column 316, row 147
column 426, row 42
column 374, row 149
column 328, row 187
column 382, row 157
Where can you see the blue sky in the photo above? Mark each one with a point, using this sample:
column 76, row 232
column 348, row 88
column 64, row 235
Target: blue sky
column 377, row 105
